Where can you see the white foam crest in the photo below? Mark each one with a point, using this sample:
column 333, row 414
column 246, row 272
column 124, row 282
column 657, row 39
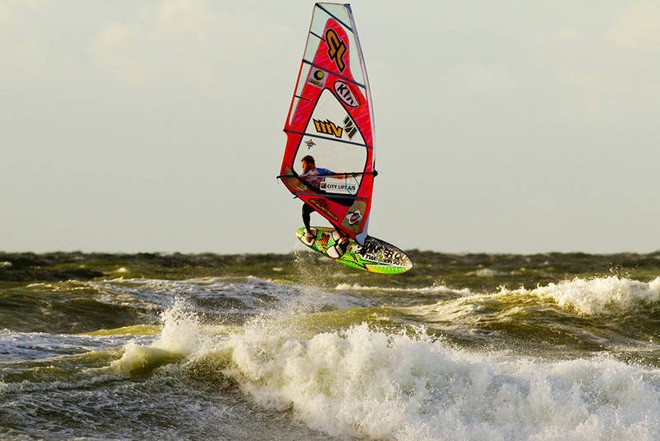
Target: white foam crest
column 365, row 383
column 181, row 330
column 180, row 337
column 435, row 289
column 601, row 295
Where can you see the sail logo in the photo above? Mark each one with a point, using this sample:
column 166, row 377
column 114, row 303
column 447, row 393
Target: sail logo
column 334, row 187
column 345, row 94
column 336, row 49
column 328, row 127
column 350, row 127
column 317, row 77
column 354, row 217
column 321, row 206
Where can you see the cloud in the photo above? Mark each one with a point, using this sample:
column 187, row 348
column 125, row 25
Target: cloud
column 183, row 18
column 567, row 35
column 638, row 29
column 117, row 48
column 5, row 14
column 190, row 42
column 169, row 41
column 22, row 55
column 482, row 78
column 591, row 92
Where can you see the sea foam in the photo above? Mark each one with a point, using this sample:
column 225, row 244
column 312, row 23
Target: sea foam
column 435, row 289
column 363, row 382
column 180, row 337
column 370, row 383
column 601, row 295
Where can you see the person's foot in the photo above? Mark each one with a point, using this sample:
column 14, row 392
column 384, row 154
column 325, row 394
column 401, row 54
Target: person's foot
column 309, row 236
column 342, row 245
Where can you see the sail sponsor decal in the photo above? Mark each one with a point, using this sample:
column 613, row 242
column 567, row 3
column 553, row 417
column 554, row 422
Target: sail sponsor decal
column 317, row 77
column 344, row 93
column 336, row 187
column 350, row 127
column 354, row 217
column 321, row 206
column 328, row 127
column 336, row 49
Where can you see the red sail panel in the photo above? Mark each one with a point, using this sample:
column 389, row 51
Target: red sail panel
column 331, row 119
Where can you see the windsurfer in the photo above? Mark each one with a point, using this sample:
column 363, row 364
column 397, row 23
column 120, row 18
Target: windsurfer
column 311, row 176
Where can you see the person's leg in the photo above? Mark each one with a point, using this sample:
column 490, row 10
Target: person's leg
column 306, row 216
column 342, row 243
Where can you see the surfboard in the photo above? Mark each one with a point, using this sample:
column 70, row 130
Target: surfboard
column 375, row 256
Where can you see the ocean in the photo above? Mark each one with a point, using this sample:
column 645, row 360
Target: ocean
column 294, row 347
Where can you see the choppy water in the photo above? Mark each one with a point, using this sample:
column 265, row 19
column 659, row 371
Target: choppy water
column 471, row 347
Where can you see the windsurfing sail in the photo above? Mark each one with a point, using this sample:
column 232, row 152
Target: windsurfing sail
column 331, row 119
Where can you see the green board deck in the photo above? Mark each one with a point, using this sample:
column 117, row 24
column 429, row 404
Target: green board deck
column 375, row 256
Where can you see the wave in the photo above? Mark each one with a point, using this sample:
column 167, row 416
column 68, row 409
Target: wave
column 179, row 337
column 369, row 383
column 344, row 359
column 600, row 295
column 435, row 289
column 586, row 297
column 365, row 382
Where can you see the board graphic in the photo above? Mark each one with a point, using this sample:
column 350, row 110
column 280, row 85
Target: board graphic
column 375, row 256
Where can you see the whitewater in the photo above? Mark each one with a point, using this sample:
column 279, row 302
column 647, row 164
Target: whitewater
column 296, row 349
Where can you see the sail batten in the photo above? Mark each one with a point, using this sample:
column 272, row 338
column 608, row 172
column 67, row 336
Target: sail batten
column 339, row 75
column 331, row 119
column 312, row 135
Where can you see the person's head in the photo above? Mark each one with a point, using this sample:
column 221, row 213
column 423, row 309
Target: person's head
column 308, row 163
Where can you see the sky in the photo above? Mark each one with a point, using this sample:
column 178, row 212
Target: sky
column 156, row 126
